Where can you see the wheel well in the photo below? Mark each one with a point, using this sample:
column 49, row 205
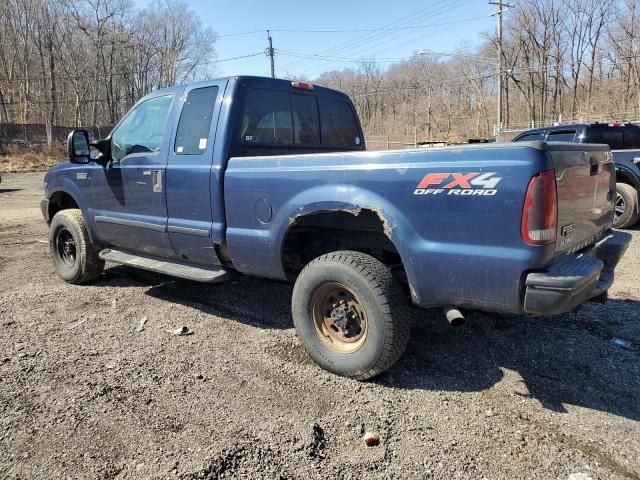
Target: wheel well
column 312, row 235
column 624, row 177
column 60, row 201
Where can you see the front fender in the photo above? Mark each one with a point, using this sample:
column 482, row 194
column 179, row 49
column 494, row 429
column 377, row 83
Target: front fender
column 67, row 182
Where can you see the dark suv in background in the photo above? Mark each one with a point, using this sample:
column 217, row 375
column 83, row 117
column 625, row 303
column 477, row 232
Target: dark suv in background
column 624, row 141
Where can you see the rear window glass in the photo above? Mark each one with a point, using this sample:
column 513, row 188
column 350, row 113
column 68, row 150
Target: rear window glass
column 339, row 125
column 561, row 136
column 612, row 137
column 306, row 129
column 530, row 137
column 282, row 118
column 195, row 121
column 267, row 118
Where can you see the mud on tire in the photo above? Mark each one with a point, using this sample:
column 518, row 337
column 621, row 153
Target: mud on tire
column 75, row 259
column 351, row 314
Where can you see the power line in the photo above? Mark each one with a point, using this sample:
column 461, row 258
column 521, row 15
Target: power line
column 371, row 41
column 385, row 39
column 403, row 21
column 291, row 53
column 355, row 30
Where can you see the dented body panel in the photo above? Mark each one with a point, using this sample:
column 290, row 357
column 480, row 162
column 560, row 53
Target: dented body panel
column 457, row 248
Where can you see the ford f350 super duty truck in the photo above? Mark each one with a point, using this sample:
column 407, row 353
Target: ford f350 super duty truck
column 270, row 178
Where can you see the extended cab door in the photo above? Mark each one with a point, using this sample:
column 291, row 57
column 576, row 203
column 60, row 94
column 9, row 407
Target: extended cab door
column 128, row 193
column 193, row 182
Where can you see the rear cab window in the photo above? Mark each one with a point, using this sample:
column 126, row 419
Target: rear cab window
column 339, row 126
column 281, row 118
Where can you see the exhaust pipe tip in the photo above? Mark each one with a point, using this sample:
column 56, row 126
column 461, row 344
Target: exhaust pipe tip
column 454, row 316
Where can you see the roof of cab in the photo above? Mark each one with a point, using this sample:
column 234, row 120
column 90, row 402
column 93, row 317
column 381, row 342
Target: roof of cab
column 253, row 81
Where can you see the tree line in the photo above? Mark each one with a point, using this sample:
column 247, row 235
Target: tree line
column 85, row 62
column 563, row 61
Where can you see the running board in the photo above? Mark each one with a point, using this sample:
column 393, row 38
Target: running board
column 166, row 267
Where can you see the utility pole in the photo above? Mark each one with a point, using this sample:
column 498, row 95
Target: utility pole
column 498, row 14
column 269, row 53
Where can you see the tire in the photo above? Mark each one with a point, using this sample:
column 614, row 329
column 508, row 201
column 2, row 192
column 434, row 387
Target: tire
column 363, row 288
column 74, row 257
column 626, row 206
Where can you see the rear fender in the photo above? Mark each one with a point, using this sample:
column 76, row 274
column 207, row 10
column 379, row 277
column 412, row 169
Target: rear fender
column 353, row 200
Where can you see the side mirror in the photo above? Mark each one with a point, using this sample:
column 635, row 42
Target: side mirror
column 101, row 151
column 78, row 147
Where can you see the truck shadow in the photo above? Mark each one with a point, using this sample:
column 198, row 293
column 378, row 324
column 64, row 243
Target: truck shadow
column 566, row 359
column 589, row 358
column 252, row 301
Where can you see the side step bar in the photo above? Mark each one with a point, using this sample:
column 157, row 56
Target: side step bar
column 167, row 267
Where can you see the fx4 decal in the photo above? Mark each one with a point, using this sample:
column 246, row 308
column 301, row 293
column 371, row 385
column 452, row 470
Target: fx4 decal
column 466, row 184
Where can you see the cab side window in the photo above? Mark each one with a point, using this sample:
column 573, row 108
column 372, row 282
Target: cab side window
column 142, row 129
column 561, row 136
column 195, row 121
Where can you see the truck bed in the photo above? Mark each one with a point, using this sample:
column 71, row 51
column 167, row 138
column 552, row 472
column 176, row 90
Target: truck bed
column 454, row 213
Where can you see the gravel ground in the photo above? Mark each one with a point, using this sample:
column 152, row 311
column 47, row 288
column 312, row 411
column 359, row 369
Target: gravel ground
column 85, row 394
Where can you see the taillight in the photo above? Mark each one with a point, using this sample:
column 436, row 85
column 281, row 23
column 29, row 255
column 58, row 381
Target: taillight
column 302, row 85
column 540, row 212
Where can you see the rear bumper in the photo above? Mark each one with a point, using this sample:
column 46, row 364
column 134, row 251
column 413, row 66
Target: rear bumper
column 575, row 278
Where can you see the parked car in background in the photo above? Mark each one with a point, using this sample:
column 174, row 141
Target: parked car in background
column 270, row 178
column 624, row 141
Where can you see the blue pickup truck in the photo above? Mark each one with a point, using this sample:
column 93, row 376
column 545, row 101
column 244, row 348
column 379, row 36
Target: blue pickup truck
column 624, row 141
column 270, row 178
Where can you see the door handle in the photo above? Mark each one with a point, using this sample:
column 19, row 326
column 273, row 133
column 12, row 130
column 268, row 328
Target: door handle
column 157, row 181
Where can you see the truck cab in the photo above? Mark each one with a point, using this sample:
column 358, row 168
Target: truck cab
column 156, row 183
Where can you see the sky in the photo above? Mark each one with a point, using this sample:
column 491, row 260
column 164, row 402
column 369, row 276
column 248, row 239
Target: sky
column 435, row 26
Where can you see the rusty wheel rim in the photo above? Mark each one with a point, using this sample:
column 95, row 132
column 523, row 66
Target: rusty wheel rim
column 339, row 318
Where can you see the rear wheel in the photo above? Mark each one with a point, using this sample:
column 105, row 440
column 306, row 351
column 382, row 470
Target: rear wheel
column 74, row 257
column 626, row 206
column 350, row 314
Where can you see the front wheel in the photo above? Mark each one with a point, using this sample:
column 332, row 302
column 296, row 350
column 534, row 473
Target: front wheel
column 74, row 257
column 350, row 314
column 626, row 206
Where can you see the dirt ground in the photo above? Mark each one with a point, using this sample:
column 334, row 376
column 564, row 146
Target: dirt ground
column 84, row 394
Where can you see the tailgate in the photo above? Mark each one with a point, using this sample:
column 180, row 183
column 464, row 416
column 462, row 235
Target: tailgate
column 585, row 178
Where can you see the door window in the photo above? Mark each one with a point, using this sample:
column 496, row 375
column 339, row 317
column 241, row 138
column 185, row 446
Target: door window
column 195, row 121
column 142, row 129
column 530, row 137
column 339, row 126
column 561, row 136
